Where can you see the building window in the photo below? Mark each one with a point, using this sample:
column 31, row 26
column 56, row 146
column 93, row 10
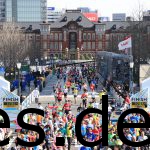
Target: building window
column 56, row 36
column 51, row 36
column 44, row 37
column 89, row 45
column 44, row 45
column 93, row 45
column 56, row 46
column 60, row 45
column 84, row 36
column 99, row 45
column 100, row 36
column 52, row 45
column 89, row 36
column 84, row 45
column 38, row 37
column 107, row 45
column 93, row 36
column 60, row 36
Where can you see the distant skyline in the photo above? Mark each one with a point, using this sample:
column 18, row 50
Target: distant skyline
column 104, row 7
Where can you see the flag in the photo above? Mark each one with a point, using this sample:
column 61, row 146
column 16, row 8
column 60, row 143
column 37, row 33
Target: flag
column 127, row 43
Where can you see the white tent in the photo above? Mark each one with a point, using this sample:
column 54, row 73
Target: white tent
column 4, row 84
column 145, row 84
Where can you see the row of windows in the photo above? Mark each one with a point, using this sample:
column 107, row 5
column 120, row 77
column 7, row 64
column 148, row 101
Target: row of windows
column 59, row 36
column 56, row 36
column 53, row 45
column 85, row 46
column 88, row 36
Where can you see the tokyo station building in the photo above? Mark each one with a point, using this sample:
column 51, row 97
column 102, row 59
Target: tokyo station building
column 73, row 37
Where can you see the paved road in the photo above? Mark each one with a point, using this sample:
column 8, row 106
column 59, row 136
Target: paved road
column 47, row 96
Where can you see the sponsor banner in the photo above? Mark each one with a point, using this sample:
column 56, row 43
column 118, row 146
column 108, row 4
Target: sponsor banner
column 50, row 8
column 91, row 16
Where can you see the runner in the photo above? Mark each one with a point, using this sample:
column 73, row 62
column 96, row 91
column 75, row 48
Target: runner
column 75, row 95
column 84, row 98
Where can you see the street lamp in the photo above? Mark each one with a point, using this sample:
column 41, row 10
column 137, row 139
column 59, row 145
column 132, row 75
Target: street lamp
column 42, row 61
column 19, row 67
column 131, row 75
column 36, row 61
column 45, row 59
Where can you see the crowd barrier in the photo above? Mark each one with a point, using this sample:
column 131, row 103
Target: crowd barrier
column 29, row 99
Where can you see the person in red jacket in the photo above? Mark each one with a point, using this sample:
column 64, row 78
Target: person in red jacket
column 84, row 98
column 67, row 107
column 59, row 96
column 127, row 100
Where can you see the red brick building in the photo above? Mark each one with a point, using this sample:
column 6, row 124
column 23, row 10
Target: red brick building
column 73, row 36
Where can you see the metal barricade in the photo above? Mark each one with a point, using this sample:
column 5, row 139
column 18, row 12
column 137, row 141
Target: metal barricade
column 26, row 103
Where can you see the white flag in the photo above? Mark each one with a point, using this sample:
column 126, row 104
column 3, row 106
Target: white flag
column 125, row 44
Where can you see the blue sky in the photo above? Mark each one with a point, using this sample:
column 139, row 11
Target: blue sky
column 105, row 7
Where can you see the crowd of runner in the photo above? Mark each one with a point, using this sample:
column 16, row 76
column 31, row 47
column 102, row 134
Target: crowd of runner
column 60, row 118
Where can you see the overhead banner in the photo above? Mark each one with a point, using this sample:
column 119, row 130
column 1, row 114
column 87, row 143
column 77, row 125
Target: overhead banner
column 10, row 103
column 140, row 99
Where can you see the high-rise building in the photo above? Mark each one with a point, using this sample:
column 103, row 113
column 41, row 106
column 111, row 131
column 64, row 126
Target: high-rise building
column 86, row 10
column 2, row 10
column 103, row 19
column 119, row 17
column 26, row 10
column 53, row 14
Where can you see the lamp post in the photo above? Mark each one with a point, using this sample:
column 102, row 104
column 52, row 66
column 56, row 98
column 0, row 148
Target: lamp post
column 19, row 67
column 28, row 63
column 42, row 63
column 131, row 76
column 36, row 61
column 45, row 60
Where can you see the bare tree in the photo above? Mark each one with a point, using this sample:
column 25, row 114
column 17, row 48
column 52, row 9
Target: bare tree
column 13, row 45
column 138, row 30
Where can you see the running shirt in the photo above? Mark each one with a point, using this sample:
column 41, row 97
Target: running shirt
column 75, row 91
column 84, row 96
column 69, row 132
column 66, row 106
column 59, row 95
column 39, row 119
column 66, row 91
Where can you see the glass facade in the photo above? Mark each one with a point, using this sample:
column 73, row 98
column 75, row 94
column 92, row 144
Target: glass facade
column 26, row 10
column 2, row 10
column 9, row 10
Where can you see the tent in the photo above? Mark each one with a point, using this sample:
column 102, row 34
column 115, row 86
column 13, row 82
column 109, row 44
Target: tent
column 145, row 84
column 10, row 103
column 4, row 84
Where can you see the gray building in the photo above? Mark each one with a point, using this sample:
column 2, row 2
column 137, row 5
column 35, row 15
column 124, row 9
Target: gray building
column 86, row 10
column 2, row 10
column 146, row 15
column 102, row 19
column 119, row 17
column 26, row 10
